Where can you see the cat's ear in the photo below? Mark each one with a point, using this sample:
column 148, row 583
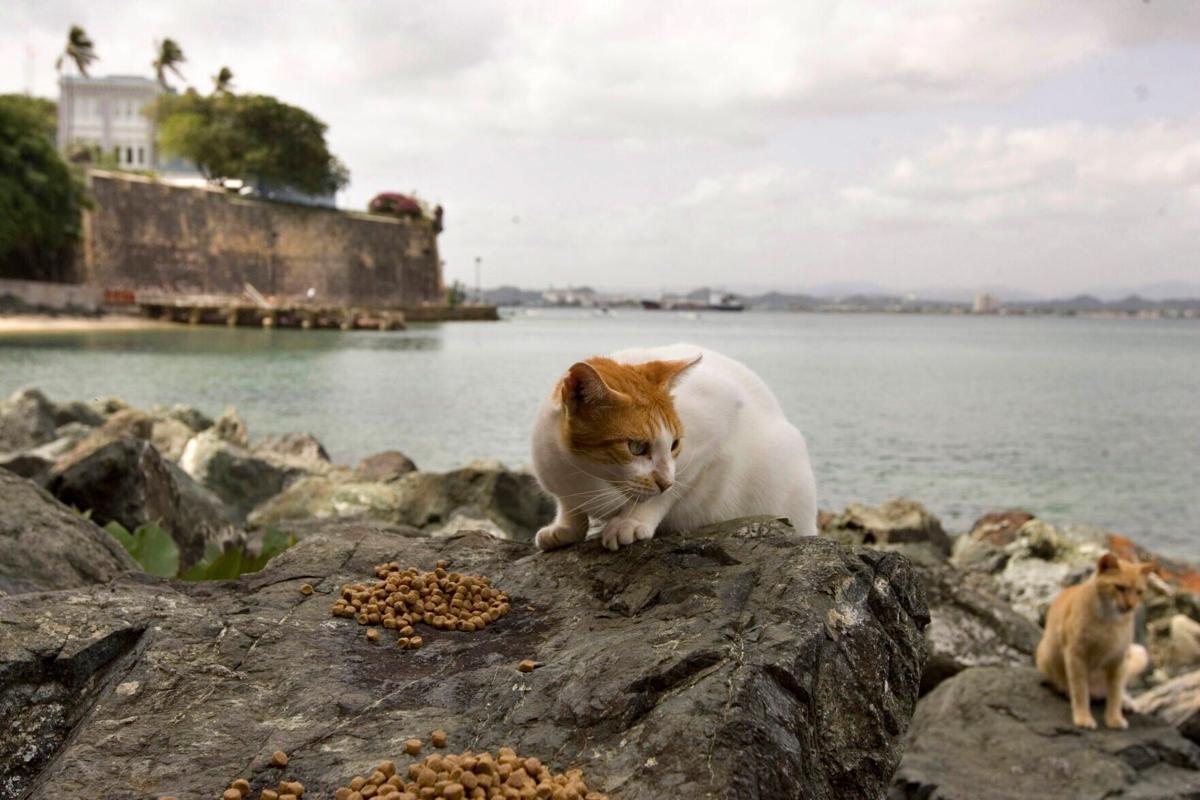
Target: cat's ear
column 584, row 389
column 1107, row 563
column 670, row 373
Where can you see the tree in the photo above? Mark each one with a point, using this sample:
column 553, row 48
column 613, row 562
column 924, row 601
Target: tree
column 38, row 107
column 170, row 56
column 252, row 137
column 80, row 49
column 223, row 81
column 40, row 197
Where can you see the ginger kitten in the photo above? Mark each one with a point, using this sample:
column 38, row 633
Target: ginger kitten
column 666, row 438
column 1087, row 649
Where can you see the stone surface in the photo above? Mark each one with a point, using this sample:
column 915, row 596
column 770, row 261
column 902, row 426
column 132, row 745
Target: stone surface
column 998, row 733
column 389, row 465
column 742, row 662
column 44, row 545
column 170, row 436
column 26, row 421
column 128, row 422
column 126, row 480
column 77, row 411
column 240, row 478
column 297, row 447
column 195, row 419
column 970, row 625
column 1182, row 648
column 230, row 427
column 27, row 464
column 1176, row 702
column 897, row 521
column 511, row 501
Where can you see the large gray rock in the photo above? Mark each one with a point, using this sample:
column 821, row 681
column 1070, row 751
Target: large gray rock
column 970, row 626
column 240, row 478
column 127, row 481
column 510, row 504
column 390, row 465
column 742, row 662
column 26, row 421
column 898, row 521
column 300, row 448
column 999, row 733
column 77, row 411
column 44, row 545
column 1176, row 702
column 169, row 437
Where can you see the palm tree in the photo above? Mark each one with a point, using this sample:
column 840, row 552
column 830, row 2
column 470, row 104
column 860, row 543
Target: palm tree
column 170, row 56
column 79, row 49
column 223, row 81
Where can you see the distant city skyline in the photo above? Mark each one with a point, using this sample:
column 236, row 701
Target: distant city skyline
column 1048, row 148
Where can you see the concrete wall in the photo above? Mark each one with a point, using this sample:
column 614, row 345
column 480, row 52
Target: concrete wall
column 53, row 296
column 147, row 235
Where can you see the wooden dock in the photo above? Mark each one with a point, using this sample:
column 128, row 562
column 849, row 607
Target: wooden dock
column 263, row 313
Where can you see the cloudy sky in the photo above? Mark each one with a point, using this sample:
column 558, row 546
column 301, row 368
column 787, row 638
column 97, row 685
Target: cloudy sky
column 1049, row 147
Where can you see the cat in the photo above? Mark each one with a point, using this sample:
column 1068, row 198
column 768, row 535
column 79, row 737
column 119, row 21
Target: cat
column 1087, row 649
column 666, row 438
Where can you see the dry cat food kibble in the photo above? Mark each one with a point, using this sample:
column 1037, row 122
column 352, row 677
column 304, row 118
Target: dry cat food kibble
column 306, row 589
column 471, row 776
column 412, row 746
column 402, row 597
column 279, row 759
column 527, row 665
column 286, row 790
column 438, row 738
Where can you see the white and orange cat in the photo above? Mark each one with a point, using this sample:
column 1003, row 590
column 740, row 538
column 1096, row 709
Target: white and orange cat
column 666, row 438
column 1087, row 649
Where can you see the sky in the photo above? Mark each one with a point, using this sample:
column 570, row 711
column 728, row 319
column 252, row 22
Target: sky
column 1045, row 147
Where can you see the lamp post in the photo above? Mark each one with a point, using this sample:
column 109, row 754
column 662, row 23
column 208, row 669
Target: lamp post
column 478, row 284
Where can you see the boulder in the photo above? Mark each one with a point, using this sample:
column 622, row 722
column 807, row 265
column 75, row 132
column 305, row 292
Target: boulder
column 390, row 465
column 45, row 546
column 299, row 448
column 742, row 661
column 230, row 427
column 106, row 406
column 127, row 481
column 1181, row 650
column 128, row 422
column 26, row 421
column 511, row 501
column 999, row 733
column 170, row 436
column 970, row 626
column 897, row 521
column 195, row 419
column 28, row 465
column 76, row 411
column 1176, row 702
column 240, row 478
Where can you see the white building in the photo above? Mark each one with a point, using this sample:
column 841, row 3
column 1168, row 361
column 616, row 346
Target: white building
column 986, row 303
column 106, row 116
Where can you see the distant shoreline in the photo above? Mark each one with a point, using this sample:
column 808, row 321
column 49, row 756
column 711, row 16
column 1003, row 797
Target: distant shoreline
column 44, row 323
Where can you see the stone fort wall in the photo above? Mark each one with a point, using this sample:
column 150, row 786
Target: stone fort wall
column 145, row 235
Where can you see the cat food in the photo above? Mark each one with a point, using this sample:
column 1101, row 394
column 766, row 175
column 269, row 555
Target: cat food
column 471, row 776
column 372, row 635
column 279, row 759
column 400, row 598
column 412, row 746
column 527, row 665
column 286, row 790
column 306, row 589
column 438, row 738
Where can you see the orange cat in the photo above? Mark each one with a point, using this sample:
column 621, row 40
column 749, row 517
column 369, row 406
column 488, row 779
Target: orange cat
column 1087, row 649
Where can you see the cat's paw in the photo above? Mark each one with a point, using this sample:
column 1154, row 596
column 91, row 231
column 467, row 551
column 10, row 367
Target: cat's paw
column 620, row 532
column 553, row 536
column 1085, row 721
column 1117, row 721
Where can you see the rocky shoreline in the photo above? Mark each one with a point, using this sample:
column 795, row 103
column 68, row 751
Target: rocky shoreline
column 887, row 656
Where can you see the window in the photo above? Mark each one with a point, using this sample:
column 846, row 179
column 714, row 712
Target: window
column 128, row 155
column 117, row 154
column 141, row 155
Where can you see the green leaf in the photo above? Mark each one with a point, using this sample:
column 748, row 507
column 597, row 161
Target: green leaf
column 150, row 546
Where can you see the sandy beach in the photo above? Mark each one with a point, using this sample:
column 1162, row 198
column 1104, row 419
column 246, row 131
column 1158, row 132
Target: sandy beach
column 33, row 323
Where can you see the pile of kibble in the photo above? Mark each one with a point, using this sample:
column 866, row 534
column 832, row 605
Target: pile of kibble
column 468, row 776
column 401, row 597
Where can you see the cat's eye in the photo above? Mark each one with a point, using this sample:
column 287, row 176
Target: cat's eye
column 674, row 445
column 639, row 447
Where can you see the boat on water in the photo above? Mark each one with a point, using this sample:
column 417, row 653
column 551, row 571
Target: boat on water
column 724, row 302
column 716, row 301
column 651, row 305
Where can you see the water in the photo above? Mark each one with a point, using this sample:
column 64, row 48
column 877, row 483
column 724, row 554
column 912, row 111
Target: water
column 1074, row 419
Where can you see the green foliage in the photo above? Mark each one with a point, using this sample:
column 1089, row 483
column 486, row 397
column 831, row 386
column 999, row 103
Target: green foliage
column 35, row 108
column 40, row 197
column 456, row 294
column 252, row 137
column 229, row 564
column 150, row 546
column 170, row 56
column 80, row 50
column 223, row 81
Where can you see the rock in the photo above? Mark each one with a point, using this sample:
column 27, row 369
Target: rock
column 999, row 733
column 897, row 521
column 743, row 661
column 127, row 481
column 983, row 549
column 389, row 465
column 511, row 501
column 1182, row 649
column 28, row 465
column 196, row 420
column 1176, row 702
column 299, row 448
column 108, row 405
column 170, row 436
column 970, row 626
column 128, row 422
column 26, row 421
column 230, row 427
column 240, row 478
column 46, row 546
column 75, row 411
